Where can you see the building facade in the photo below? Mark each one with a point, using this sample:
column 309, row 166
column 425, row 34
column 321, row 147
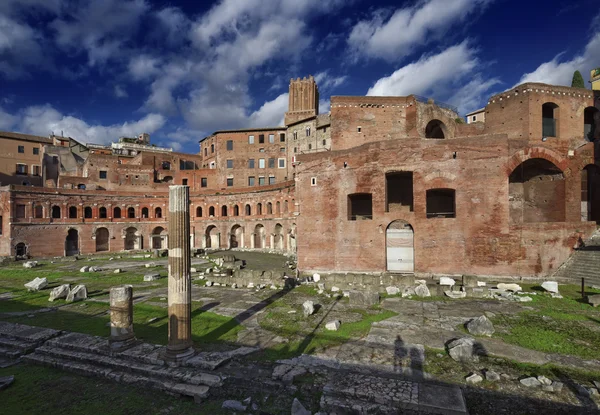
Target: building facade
column 378, row 185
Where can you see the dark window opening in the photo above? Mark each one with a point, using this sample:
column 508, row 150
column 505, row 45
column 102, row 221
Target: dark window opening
column 248, row 210
column 145, row 213
column 211, row 211
column 158, row 212
column 117, row 213
column 282, row 137
column 21, row 149
column 261, row 138
column 223, row 210
column 72, row 212
column 103, row 174
column 36, row 151
column 20, row 211
column 184, row 182
column 591, row 118
column 131, row 213
column 441, row 203
column 38, row 211
column 399, row 191
column 87, row 212
column 199, row 212
column 229, row 145
column 360, row 206
column 166, row 165
column 236, row 210
column 230, row 182
column 549, row 119
column 55, row 212
column 259, row 209
column 203, row 182
column 435, row 129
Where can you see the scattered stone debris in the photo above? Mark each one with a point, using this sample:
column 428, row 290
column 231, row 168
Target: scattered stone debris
column 474, row 378
column 208, row 284
column 550, row 286
column 392, row 290
column 30, row 264
column 509, row 287
column 84, row 269
column 523, row 298
column 544, row 380
column 491, row 376
column 150, row 265
column 594, row 300
column 95, row 269
column 79, row 292
column 152, row 277
column 5, row 381
column 463, row 350
column 335, row 289
column 455, row 294
column 333, row 325
column 364, row 298
column 117, row 271
column 447, row 281
column 308, row 307
column 481, row 326
column 422, row 291
column 234, row 406
column 37, row 284
column 299, row 409
column 193, row 270
column 59, row 292
column 481, row 283
column 530, row 382
column 316, row 277
column 408, row 292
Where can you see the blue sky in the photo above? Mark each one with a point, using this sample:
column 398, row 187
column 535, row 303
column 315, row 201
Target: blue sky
column 101, row 69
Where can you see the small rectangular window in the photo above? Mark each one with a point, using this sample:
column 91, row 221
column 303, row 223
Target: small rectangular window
column 229, row 145
column 295, row 149
column 212, row 148
column 281, row 163
column 184, row 182
column 203, row 182
column 250, row 180
column 20, row 213
column 358, row 129
column 324, row 142
column 36, row 170
column 295, row 135
column 271, row 180
column 282, row 149
column 474, row 117
column 250, row 163
column 261, row 181
column 21, row 149
column 271, row 138
column 230, row 182
column 282, row 137
column 261, row 150
column 250, row 139
column 261, row 139
column 271, row 163
column 307, row 131
column 360, row 206
column 261, row 163
column 103, row 174
column 230, row 164
column 36, row 151
column 21, row 169
column 313, row 181
column 206, row 151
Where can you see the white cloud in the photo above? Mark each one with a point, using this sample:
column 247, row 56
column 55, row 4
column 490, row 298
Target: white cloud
column 19, row 48
column 174, row 25
column 396, row 36
column 557, row 72
column 7, row 121
column 438, row 75
column 271, row 113
column 326, row 81
column 44, row 119
column 143, row 67
column 120, row 92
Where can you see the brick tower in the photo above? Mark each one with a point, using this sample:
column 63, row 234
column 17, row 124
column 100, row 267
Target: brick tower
column 303, row 100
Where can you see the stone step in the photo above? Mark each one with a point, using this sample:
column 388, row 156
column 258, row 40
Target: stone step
column 193, row 377
column 10, row 353
column 198, row 392
column 19, row 345
column 27, row 333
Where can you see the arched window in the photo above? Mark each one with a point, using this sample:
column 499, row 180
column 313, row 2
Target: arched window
column 102, row 212
column 278, row 208
column 236, row 210
column 145, row 212
column 224, row 210
column 285, row 206
column 259, row 209
column 248, row 210
column 536, row 192
column 590, row 125
column 269, row 208
column 55, row 212
column 166, row 165
column 211, row 211
column 435, row 129
column 38, row 211
column 131, row 212
column 117, row 213
column 158, row 212
column 590, row 193
column 199, row 212
column 550, row 120
column 87, row 212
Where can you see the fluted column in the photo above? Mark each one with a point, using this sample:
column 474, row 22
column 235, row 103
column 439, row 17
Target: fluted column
column 180, row 284
column 121, row 317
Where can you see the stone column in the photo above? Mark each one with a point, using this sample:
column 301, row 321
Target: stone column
column 121, row 317
column 180, row 283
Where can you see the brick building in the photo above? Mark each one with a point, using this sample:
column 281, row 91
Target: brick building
column 380, row 184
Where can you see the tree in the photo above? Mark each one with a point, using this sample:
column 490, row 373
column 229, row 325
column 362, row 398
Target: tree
column 577, row 80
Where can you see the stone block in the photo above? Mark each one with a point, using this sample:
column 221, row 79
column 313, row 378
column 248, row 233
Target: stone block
column 37, row 284
column 509, row 287
column 308, row 307
column 364, row 298
column 78, row 293
column 594, row 300
column 481, row 326
column 469, row 281
column 447, row 281
column 152, row 277
column 333, row 325
column 59, row 292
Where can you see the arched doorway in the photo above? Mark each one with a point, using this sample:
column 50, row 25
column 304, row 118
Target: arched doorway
column 20, row 249
column 132, row 240
column 236, row 238
column 259, row 236
column 278, row 237
column 590, row 193
column 72, row 243
column 101, row 239
column 159, row 236
column 399, row 243
column 435, row 129
column 212, row 237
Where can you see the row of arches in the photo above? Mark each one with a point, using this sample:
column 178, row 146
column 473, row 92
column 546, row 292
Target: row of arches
column 551, row 121
column 72, row 212
column 248, row 210
column 260, row 237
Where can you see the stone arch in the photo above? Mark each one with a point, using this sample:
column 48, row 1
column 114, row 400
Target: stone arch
column 102, row 239
column 278, row 237
column 21, row 250
column 132, row 239
column 535, row 152
column 56, row 212
column 436, row 129
column 212, row 237
column 159, row 238
column 72, row 242
column 278, row 208
column 102, row 213
column 248, row 210
column 536, row 191
column 259, row 209
column 259, row 237
column 236, row 237
column 399, row 246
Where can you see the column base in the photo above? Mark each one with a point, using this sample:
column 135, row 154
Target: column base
column 174, row 357
column 122, row 345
